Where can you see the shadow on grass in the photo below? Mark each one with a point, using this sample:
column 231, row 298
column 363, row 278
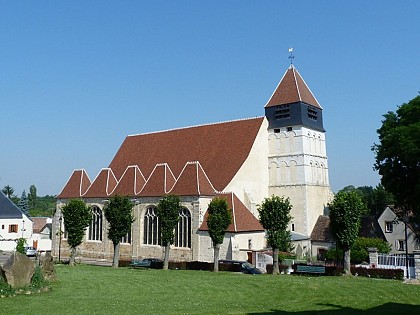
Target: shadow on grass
column 388, row 308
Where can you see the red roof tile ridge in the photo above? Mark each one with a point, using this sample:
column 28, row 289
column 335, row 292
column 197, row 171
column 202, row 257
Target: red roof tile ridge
column 275, row 90
column 136, row 167
column 83, row 173
column 109, row 172
column 296, row 83
column 306, row 85
column 196, row 126
column 165, row 179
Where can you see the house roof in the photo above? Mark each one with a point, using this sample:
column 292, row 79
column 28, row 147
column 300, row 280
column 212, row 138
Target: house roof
column 8, row 210
column 292, row 89
column 321, row 231
column 200, row 159
column 242, row 219
column 369, row 227
column 39, row 223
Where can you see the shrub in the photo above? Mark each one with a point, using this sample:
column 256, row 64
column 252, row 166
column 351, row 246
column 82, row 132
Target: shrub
column 20, row 247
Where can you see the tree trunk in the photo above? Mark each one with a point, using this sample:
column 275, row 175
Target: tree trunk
column 347, row 271
column 276, row 262
column 166, row 260
column 116, row 259
column 72, row 257
column 216, row 248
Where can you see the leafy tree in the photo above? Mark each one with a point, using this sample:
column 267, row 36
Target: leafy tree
column 398, row 154
column 345, row 212
column 8, row 191
column 77, row 217
column 20, row 246
column 23, row 203
column 118, row 212
column 376, row 199
column 32, row 197
column 359, row 251
column 275, row 218
column 168, row 213
column 218, row 221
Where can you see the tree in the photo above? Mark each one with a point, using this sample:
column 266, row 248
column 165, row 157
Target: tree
column 275, row 217
column 376, row 199
column 345, row 212
column 23, row 204
column 359, row 251
column 218, row 221
column 118, row 213
column 32, row 197
column 168, row 214
column 77, row 217
column 8, row 191
column 398, row 155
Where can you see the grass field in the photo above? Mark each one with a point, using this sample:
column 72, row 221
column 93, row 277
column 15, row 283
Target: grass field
column 88, row 289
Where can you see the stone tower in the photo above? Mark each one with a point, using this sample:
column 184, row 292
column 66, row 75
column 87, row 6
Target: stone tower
column 297, row 158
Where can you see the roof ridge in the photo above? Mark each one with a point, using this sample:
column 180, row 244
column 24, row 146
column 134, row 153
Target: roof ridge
column 196, row 126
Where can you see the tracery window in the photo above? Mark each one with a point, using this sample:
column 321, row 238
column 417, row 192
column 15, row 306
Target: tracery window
column 183, row 229
column 151, row 233
column 95, row 227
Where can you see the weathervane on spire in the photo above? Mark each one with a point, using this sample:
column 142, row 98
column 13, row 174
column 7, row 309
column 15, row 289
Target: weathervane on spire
column 291, row 55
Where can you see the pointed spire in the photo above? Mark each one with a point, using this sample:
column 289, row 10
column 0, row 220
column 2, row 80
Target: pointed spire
column 292, row 89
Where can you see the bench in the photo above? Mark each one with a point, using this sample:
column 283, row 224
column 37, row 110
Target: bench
column 310, row 269
column 135, row 263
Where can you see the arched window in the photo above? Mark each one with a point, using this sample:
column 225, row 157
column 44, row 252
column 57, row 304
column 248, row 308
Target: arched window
column 95, row 227
column 151, row 233
column 183, row 229
column 127, row 238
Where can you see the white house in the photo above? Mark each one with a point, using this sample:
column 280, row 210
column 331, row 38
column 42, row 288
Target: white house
column 394, row 230
column 14, row 224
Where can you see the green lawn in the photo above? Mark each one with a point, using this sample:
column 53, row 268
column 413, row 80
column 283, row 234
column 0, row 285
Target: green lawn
column 102, row 290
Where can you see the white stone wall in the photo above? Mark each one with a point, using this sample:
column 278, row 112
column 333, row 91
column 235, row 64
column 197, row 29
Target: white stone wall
column 235, row 246
column 298, row 169
column 250, row 184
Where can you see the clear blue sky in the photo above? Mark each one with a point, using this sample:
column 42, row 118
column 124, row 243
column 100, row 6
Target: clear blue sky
column 77, row 77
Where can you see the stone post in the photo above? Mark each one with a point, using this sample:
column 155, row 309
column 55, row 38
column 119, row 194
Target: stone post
column 373, row 257
column 417, row 264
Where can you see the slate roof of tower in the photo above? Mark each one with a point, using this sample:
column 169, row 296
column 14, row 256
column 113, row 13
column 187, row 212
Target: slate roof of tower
column 292, row 89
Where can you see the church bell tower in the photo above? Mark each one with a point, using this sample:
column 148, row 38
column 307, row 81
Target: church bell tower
column 297, row 159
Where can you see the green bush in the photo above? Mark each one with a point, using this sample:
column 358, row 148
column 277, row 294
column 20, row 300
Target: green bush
column 5, row 288
column 359, row 251
column 20, row 247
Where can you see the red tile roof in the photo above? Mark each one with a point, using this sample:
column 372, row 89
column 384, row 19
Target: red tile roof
column 38, row 223
column 131, row 182
column 159, row 182
column 193, row 181
column 242, row 219
column 201, row 160
column 291, row 89
column 103, row 184
column 220, row 148
column 76, row 186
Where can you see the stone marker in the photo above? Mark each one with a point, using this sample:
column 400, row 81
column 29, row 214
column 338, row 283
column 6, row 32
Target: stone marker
column 18, row 270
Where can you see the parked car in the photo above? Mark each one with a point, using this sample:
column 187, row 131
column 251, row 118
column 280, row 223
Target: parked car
column 30, row 251
column 238, row 266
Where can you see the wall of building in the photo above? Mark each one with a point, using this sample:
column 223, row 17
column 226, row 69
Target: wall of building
column 250, row 184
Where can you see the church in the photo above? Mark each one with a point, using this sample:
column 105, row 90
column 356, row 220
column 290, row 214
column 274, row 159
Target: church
column 245, row 160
